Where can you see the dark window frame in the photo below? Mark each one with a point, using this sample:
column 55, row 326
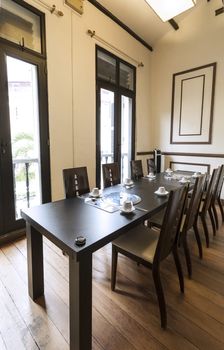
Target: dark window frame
column 41, row 15
column 30, row 56
column 118, row 92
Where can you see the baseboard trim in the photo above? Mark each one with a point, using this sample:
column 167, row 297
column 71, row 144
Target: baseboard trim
column 11, row 236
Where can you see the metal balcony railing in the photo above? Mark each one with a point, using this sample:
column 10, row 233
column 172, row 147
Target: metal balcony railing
column 26, row 183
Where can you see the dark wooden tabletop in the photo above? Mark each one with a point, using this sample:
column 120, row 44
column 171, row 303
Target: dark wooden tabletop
column 62, row 221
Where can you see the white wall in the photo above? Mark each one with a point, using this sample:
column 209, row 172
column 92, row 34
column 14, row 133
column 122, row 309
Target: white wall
column 199, row 41
column 71, row 84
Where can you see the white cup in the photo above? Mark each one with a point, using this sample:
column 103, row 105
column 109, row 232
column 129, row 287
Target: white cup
column 127, row 205
column 128, row 181
column 161, row 190
column 95, row 191
column 197, row 173
column 151, row 174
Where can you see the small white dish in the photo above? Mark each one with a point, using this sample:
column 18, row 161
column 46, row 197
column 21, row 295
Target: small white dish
column 127, row 211
column 183, row 181
column 161, row 194
column 151, row 176
column 169, row 171
column 196, row 175
column 98, row 195
column 130, row 183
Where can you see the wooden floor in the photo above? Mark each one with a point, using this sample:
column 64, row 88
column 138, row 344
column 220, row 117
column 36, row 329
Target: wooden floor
column 127, row 319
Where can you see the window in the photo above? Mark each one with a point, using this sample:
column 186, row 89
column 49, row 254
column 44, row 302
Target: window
column 115, row 137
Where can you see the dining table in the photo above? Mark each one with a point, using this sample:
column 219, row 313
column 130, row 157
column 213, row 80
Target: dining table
column 63, row 221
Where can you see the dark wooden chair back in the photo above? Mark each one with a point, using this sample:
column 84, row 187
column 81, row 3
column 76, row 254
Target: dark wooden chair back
column 192, row 210
column 150, row 165
column 76, row 181
column 210, row 191
column 220, row 181
column 136, row 169
column 171, row 224
column 111, row 174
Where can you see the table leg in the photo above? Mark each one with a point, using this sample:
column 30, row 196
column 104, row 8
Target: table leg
column 80, row 302
column 35, row 262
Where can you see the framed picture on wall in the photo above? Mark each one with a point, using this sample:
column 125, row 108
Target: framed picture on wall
column 192, row 105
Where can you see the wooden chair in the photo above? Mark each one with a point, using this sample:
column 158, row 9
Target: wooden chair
column 217, row 196
column 136, row 169
column 76, row 181
column 205, row 206
column 111, row 174
column 150, row 165
column 145, row 246
column 189, row 221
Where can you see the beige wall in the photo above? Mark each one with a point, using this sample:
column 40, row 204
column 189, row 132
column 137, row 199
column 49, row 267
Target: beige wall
column 199, row 41
column 71, row 84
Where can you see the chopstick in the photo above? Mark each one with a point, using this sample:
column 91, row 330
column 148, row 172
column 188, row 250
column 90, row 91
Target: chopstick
column 141, row 209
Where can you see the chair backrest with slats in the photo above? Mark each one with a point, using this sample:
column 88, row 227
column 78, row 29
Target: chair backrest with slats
column 192, row 210
column 220, row 182
column 111, row 174
column 210, row 191
column 150, row 165
column 171, row 223
column 136, row 169
column 76, row 182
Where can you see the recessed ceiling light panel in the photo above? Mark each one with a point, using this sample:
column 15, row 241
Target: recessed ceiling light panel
column 167, row 9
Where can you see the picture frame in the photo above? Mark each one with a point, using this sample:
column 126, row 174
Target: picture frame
column 193, row 94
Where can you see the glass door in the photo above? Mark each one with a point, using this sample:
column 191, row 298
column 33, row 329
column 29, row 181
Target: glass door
column 126, row 136
column 24, row 133
column 115, row 115
column 106, row 128
column 24, row 153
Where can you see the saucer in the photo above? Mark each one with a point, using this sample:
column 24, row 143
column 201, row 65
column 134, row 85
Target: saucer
column 129, row 183
column 196, row 175
column 151, row 176
column 184, row 181
column 95, row 196
column 127, row 211
column 161, row 194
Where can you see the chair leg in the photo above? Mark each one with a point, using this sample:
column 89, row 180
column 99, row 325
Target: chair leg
column 198, row 239
column 113, row 267
column 215, row 216
column 187, row 255
column 203, row 220
column 221, row 208
column 179, row 268
column 160, row 296
column 212, row 221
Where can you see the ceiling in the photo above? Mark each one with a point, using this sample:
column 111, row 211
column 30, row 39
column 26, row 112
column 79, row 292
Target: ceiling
column 140, row 18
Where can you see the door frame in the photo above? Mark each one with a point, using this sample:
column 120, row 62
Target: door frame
column 118, row 92
column 7, row 49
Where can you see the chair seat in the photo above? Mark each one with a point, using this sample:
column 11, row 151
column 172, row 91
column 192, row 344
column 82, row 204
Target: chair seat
column 139, row 241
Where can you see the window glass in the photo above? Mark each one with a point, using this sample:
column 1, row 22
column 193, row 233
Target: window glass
column 126, row 77
column 106, row 67
column 20, row 25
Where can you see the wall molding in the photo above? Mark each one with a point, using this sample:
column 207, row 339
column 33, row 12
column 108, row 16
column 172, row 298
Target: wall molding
column 208, row 166
column 120, row 23
column 184, row 154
